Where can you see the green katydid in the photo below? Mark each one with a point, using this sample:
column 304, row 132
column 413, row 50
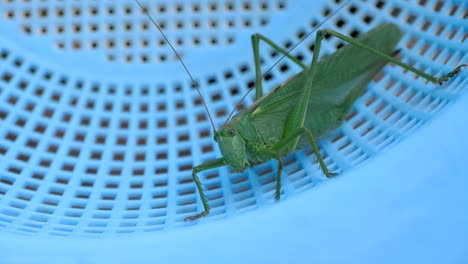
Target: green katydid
column 304, row 108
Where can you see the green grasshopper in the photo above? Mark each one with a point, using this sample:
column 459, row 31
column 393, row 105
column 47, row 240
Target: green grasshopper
column 306, row 107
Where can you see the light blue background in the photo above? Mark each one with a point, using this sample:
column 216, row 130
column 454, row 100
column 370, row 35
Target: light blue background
column 409, row 205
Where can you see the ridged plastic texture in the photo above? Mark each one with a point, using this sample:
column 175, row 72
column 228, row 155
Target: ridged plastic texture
column 100, row 127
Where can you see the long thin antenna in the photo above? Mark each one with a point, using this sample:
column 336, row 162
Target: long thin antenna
column 194, row 84
column 282, row 57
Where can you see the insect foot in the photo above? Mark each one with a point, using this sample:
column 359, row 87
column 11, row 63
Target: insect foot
column 451, row 74
column 197, row 216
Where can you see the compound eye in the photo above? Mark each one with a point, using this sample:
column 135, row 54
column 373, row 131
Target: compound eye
column 231, row 132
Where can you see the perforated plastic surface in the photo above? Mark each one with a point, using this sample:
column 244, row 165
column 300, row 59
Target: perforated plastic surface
column 100, row 128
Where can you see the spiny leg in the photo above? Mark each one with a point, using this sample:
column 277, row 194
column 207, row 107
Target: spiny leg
column 284, row 143
column 204, row 166
column 256, row 51
column 278, row 179
column 296, row 119
column 295, row 124
column 317, row 153
column 298, row 115
column 392, row 59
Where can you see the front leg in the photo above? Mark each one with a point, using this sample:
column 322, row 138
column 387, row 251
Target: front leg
column 292, row 139
column 286, row 142
column 204, row 166
column 270, row 153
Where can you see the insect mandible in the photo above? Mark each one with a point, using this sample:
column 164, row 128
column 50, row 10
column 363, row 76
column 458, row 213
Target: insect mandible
column 304, row 108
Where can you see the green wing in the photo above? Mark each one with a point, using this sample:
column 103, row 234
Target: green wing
column 341, row 76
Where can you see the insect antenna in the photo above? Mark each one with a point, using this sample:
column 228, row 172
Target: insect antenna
column 283, row 56
column 194, row 84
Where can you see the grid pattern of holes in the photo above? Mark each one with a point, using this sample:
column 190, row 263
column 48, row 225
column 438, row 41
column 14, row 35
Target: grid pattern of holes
column 129, row 35
column 89, row 158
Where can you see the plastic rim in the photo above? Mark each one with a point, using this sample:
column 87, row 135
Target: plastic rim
column 99, row 128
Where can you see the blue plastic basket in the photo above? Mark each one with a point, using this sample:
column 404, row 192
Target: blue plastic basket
column 100, row 128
